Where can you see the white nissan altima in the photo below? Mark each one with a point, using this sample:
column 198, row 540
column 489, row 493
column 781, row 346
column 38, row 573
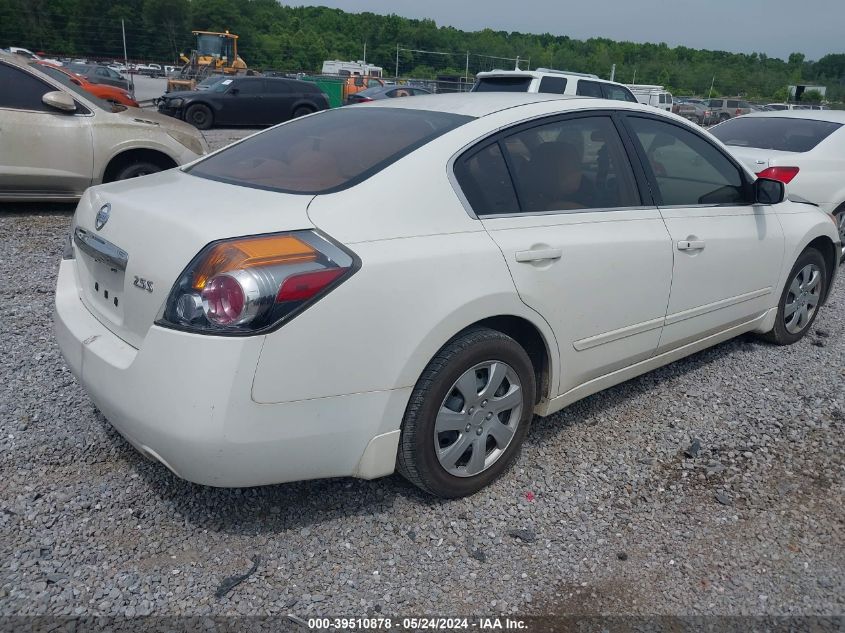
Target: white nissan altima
column 403, row 284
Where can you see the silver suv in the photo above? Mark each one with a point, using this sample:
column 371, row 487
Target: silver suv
column 724, row 109
column 545, row 80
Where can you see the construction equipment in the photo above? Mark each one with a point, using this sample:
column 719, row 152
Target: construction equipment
column 215, row 53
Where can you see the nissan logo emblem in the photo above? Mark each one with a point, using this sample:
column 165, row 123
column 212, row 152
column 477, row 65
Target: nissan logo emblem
column 102, row 216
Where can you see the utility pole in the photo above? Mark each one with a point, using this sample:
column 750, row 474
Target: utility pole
column 466, row 72
column 634, row 80
column 125, row 56
column 612, row 72
column 397, row 62
column 365, row 53
column 710, row 94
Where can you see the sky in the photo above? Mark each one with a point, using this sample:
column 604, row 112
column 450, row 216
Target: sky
column 774, row 27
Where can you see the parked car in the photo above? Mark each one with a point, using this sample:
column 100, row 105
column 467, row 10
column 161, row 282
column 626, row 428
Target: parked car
column 549, row 81
column 59, row 139
column 316, row 332
column 802, row 148
column 694, row 111
column 245, row 101
column 150, row 70
column 724, row 109
column 385, row 92
column 101, row 91
column 97, row 74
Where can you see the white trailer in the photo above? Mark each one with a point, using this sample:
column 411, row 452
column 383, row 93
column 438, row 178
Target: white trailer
column 338, row 67
column 652, row 95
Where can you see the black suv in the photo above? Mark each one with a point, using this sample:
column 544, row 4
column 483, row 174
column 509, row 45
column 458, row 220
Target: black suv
column 245, row 101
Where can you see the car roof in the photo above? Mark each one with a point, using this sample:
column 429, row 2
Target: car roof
column 479, row 104
column 832, row 116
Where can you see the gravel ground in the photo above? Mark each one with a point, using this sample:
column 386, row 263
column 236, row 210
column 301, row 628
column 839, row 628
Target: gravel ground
column 604, row 512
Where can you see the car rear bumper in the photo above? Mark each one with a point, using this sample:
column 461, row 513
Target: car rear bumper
column 185, row 400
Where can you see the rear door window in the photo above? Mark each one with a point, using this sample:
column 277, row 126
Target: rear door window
column 589, row 89
column 733, row 104
column 502, row 84
column 571, row 164
column 553, row 85
column 311, row 155
column 777, row 133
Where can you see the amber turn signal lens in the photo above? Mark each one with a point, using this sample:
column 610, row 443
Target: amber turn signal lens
column 250, row 252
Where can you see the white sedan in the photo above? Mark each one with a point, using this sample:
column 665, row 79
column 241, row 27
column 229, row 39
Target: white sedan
column 802, row 148
column 403, row 284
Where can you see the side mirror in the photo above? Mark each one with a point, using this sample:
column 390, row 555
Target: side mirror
column 768, row 191
column 59, row 100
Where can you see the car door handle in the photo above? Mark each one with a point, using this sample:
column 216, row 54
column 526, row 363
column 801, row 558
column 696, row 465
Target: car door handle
column 691, row 245
column 538, row 254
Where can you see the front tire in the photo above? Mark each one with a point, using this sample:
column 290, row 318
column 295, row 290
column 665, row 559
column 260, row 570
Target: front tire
column 200, row 116
column 468, row 414
column 135, row 170
column 839, row 215
column 801, row 299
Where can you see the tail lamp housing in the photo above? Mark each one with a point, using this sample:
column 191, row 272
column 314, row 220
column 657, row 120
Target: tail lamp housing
column 783, row 174
column 250, row 285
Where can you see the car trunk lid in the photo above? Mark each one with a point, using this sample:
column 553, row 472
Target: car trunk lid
column 153, row 228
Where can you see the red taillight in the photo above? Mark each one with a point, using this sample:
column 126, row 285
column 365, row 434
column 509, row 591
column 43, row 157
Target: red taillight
column 306, row 285
column 251, row 284
column 783, row 174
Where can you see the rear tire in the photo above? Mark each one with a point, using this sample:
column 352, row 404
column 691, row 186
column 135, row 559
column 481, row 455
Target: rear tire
column 302, row 111
column 476, row 397
column 135, row 170
column 200, row 116
column 723, row 117
column 800, row 300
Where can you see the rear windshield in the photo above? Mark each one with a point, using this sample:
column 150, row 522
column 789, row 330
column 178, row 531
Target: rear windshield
column 777, row 133
column 326, row 152
column 502, row 84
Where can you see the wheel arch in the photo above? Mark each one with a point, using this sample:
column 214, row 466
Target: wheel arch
column 827, row 248
column 537, row 341
column 128, row 156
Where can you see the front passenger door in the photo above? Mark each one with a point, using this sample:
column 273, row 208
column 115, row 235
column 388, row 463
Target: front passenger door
column 727, row 251
column 42, row 151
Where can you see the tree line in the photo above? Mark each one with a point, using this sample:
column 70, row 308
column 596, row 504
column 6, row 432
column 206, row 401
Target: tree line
column 289, row 38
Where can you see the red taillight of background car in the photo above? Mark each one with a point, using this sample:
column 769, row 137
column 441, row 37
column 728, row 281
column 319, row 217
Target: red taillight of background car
column 783, row 174
column 249, row 285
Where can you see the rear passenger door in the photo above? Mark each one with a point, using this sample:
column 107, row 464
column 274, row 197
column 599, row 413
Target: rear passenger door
column 560, row 198
column 727, row 251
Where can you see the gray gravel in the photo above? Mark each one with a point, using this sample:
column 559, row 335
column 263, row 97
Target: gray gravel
column 604, row 512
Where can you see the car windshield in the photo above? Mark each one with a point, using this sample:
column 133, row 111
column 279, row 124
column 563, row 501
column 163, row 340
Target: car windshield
column 777, row 133
column 502, row 84
column 311, row 155
column 65, row 80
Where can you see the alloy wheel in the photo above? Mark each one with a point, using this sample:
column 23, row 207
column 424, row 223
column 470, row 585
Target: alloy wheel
column 840, row 225
column 803, row 298
column 478, row 418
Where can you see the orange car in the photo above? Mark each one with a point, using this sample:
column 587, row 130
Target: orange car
column 111, row 94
